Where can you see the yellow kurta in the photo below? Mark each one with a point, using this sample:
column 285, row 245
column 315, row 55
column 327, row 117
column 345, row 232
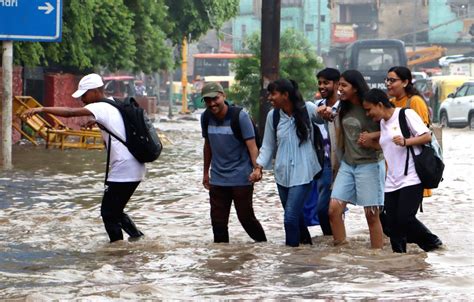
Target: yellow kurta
column 419, row 106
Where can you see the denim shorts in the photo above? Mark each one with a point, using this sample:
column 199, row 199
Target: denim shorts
column 361, row 184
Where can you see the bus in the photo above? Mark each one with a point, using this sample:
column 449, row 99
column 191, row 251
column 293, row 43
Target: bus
column 215, row 66
column 373, row 58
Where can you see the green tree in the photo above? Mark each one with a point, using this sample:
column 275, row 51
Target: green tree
column 298, row 61
column 113, row 34
column 191, row 18
column 150, row 25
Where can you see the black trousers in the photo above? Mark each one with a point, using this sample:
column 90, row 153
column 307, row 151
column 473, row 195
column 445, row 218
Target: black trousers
column 221, row 200
column 401, row 207
column 116, row 196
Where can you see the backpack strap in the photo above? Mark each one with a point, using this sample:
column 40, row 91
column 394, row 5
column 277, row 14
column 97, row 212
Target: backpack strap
column 406, row 134
column 408, row 104
column 235, row 121
column 276, row 120
column 112, row 103
column 205, row 122
column 108, row 160
column 234, row 112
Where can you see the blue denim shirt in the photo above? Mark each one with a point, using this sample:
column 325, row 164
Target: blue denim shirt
column 294, row 164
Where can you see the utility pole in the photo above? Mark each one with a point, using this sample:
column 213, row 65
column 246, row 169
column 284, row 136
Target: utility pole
column 184, row 76
column 415, row 16
column 319, row 28
column 7, row 74
column 270, row 52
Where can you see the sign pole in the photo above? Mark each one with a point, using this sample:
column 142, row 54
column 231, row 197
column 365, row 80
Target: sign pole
column 7, row 73
column 34, row 21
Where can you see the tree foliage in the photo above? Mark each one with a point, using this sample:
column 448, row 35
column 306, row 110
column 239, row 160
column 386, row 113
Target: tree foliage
column 111, row 34
column 125, row 34
column 193, row 18
column 298, row 61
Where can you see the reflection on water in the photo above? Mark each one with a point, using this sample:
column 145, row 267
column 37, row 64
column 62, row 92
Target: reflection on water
column 53, row 244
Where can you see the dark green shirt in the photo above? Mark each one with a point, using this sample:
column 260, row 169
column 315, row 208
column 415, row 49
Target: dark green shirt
column 354, row 122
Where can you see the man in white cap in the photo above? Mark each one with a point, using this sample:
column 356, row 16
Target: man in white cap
column 125, row 171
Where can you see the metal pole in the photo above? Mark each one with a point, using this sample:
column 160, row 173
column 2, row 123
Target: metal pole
column 7, row 69
column 319, row 27
column 415, row 16
column 184, row 77
column 270, row 52
column 170, row 79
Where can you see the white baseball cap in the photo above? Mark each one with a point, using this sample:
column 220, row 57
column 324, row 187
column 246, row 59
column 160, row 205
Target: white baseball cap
column 89, row 81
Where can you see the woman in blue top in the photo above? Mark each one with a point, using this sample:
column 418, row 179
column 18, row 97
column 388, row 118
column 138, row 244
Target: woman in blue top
column 295, row 159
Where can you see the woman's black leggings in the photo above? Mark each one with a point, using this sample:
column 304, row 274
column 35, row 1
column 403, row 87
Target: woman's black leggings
column 401, row 207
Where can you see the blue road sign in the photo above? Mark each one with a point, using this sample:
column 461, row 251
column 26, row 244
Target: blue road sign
column 31, row 20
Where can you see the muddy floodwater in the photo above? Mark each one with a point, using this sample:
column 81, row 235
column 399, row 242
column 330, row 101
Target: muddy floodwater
column 53, row 244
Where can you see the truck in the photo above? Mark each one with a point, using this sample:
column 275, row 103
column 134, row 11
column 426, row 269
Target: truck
column 373, row 58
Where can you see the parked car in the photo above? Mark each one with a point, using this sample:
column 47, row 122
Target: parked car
column 442, row 87
column 458, row 108
column 425, row 87
column 419, row 75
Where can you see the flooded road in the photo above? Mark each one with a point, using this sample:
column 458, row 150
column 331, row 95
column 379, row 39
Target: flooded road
column 53, row 244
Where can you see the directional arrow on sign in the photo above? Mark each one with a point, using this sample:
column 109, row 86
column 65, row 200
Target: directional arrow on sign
column 48, row 8
column 31, row 20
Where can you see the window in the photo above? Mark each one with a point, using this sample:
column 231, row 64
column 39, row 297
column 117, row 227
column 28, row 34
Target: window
column 470, row 91
column 291, row 3
column 377, row 59
column 462, row 91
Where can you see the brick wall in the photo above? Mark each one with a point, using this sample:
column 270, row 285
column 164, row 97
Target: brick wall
column 58, row 90
column 17, row 83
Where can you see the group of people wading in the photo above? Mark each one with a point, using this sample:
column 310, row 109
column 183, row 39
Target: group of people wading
column 359, row 126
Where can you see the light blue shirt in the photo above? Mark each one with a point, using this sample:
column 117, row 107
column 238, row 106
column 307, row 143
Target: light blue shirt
column 294, row 164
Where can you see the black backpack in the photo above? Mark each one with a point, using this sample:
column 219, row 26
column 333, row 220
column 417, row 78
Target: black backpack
column 428, row 165
column 141, row 137
column 318, row 139
column 234, row 124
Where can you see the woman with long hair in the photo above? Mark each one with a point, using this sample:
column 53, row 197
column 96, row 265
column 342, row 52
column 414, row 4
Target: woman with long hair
column 403, row 190
column 360, row 180
column 295, row 159
column 404, row 94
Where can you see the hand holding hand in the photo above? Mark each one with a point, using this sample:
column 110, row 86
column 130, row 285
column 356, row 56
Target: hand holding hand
column 256, row 174
column 325, row 112
column 364, row 139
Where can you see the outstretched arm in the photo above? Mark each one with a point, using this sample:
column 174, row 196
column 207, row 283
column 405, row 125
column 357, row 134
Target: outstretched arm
column 59, row 111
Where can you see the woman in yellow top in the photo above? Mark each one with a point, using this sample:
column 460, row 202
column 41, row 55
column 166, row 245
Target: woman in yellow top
column 404, row 94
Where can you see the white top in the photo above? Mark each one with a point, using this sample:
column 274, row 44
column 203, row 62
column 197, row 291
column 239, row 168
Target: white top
column 123, row 165
column 395, row 155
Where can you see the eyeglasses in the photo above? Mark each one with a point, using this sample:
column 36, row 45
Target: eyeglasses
column 391, row 80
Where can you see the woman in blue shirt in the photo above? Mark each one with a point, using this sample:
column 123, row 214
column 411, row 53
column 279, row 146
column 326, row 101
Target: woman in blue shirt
column 295, row 159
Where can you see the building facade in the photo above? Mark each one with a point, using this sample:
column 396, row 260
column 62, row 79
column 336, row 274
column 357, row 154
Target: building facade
column 311, row 17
